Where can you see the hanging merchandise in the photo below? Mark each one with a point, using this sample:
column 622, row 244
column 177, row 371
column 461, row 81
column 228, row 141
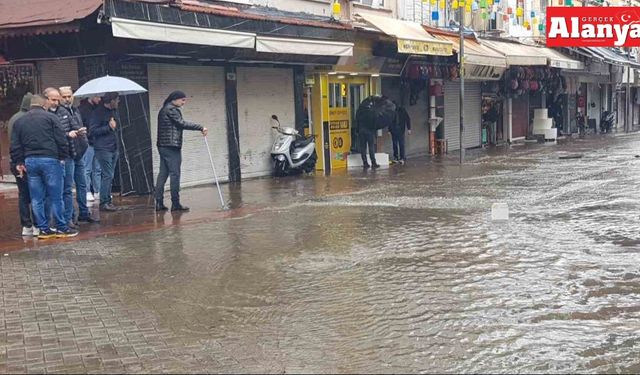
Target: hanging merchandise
column 494, row 16
column 435, row 15
column 454, row 5
column 526, row 24
column 18, row 78
column 509, row 10
column 490, row 2
column 467, row 7
column 533, row 14
column 534, row 21
column 541, row 27
column 461, row 3
column 568, row 3
column 483, row 4
column 519, row 12
column 505, row 17
column 434, row 2
column 443, row 4
column 474, row 6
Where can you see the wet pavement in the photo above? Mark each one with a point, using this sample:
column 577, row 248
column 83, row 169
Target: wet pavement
column 398, row 270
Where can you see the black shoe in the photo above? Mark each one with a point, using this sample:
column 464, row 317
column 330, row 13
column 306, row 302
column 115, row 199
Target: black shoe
column 109, row 207
column 73, row 225
column 160, row 206
column 87, row 219
column 46, row 234
column 366, row 166
column 67, row 233
column 179, row 207
column 375, row 166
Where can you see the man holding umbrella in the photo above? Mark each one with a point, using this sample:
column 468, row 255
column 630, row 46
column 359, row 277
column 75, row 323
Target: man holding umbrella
column 170, row 127
column 102, row 129
column 374, row 113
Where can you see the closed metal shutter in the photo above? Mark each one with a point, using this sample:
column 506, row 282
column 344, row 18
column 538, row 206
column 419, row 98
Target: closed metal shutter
column 472, row 115
column 262, row 92
column 452, row 115
column 205, row 88
column 58, row 73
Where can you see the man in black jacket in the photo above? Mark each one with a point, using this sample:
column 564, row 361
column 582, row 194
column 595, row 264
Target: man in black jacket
column 80, row 144
column 170, row 127
column 71, row 131
column 401, row 125
column 102, row 131
column 39, row 146
column 365, row 120
column 91, row 165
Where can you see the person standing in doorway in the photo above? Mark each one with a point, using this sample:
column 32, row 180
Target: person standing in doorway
column 39, row 146
column 91, row 165
column 400, row 126
column 365, row 120
column 102, row 130
column 170, row 128
column 80, row 145
column 24, row 199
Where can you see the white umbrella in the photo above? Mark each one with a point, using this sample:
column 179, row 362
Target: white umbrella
column 103, row 85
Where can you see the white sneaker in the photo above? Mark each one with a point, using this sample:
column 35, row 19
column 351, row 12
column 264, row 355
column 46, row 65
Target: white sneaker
column 27, row 231
column 90, row 197
column 36, row 231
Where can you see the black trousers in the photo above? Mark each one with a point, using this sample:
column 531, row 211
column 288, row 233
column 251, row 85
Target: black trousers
column 170, row 162
column 24, row 199
column 368, row 138
column 398, row 145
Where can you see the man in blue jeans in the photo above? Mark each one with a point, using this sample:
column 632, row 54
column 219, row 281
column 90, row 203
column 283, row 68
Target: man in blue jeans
column 102, row 130
column 91, row 165
column 80, row 145
column 39, row 146
column 67, row 126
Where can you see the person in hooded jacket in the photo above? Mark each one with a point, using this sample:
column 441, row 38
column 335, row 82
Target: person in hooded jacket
column 365, row 121
column 170, row 128
column 24, row 198
column 400, row 126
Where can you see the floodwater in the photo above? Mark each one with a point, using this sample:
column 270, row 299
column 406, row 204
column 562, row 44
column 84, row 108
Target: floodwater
column 398, row 270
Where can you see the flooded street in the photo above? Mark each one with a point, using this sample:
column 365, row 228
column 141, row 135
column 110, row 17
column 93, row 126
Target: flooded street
column 398, row 270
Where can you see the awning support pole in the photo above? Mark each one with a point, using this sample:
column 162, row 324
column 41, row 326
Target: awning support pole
column 461, row 63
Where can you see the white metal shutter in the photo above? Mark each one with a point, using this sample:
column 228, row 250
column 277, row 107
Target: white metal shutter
column 205, row 89
column 472, row 115
column 262, row 92
column 58, row 73
column 452, row 115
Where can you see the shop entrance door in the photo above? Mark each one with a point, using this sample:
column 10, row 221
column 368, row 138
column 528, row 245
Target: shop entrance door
column 356, row 96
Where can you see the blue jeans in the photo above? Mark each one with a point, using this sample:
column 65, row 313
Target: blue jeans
column 92, row 170
column 79, row 178
column 46, row 179
column 67, row 192
column 107, row 160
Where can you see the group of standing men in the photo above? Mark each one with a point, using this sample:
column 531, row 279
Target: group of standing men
column 55, row 146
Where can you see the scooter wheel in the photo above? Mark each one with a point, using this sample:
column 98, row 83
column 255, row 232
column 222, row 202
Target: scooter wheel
column 280, row 169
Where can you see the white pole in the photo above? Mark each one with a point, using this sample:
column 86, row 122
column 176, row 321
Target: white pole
column 215, row 175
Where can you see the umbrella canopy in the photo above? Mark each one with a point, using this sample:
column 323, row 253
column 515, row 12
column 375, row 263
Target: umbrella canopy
column 376, row 112
column 103, row 85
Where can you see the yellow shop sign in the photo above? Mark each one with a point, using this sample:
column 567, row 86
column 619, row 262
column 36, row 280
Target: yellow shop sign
column 425, row 48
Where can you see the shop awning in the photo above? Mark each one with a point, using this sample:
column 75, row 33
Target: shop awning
column 411, row 37
column 559, row 60
column 303, row 46
column 134, row 29
column 516, row 53
column 475, row 53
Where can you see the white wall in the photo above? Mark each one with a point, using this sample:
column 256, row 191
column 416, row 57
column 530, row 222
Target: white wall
column 262, row 92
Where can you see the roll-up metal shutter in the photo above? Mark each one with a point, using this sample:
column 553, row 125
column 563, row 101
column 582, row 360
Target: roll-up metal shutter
column 452, row 115
column 205, row 89
column 257, row 101
column 58, row 73
column 472, row 115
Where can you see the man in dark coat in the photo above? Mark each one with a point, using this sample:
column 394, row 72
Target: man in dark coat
column 366, row 124
column 170, row 128
column 91, row 165
column 102, row 132
column 80, row 145
column 24, row 199
column 400, row 126
column 39, row 146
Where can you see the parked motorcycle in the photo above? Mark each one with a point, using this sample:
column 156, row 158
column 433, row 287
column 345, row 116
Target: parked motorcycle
column 291, row 152
column 606, row 121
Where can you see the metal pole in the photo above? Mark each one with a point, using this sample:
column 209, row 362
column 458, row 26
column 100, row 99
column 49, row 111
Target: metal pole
column 461, row 63
column 215, row 175
column 627, row 107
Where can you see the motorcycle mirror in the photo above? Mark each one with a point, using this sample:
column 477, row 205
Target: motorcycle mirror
column 274, row 117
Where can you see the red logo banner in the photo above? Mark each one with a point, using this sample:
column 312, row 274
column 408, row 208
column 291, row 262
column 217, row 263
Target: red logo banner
column 593, row 26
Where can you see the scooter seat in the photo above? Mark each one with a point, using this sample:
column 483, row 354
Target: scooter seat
column 302, row 142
